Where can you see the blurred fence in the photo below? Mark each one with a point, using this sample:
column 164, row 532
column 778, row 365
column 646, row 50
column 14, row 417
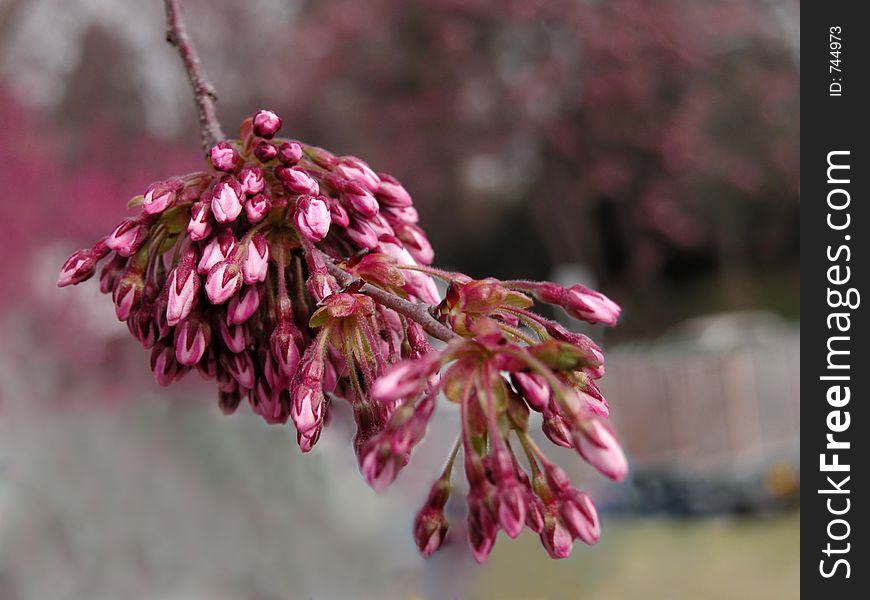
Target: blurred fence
column 712, row 413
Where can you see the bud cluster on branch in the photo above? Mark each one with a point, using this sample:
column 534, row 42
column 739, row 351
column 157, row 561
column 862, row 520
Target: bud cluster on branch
column 295, row 278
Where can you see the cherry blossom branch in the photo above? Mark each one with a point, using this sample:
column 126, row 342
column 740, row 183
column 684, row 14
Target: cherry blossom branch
column 203, row 91
column 211, row 133
column 418, row 312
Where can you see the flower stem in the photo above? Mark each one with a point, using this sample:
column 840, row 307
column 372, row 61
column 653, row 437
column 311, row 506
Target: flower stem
column 413, row 310
column 203, row 91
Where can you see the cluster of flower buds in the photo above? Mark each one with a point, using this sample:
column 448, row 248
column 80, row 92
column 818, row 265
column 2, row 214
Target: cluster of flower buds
column 285, row 273
column 219, row 273
column 510, row 362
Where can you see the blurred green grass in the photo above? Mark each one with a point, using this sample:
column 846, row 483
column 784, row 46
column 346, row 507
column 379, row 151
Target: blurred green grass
column 709, row 559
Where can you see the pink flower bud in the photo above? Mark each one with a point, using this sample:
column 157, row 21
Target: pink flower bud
column 128, row 237
column 380, row 226
column 257, row 207
column 200, row 224
column 579, row 515
column 591, row 306
column 266, row 123
column 127, row 293
column 234, row 337
column 224, row 157
column 160, row 195
column 359, row 199
column 596, row 442
column 406, row 378
column 78, row 267
column 164, row 367
column 534, row 389
column 361, row 234
column 142, row 324
column 430, row 529
column 226, row 203
column 337, row 212
column 284, row 349
column 312, row 218
column 228, row 401
column 394, row 215
column 192, row 337
column 323, row 158
column 307, row 440
column 216, row 250
column 557, row 430
column 256, row 263
column 534, row 506
column 592, row 400
column 306, row 408
column 265, row 151
column 321, row 285
column 379, row 463
column 391, row 193
column 297, row 180
column 243, row 305
column 183, row 285
column 290, row 153
column 240, row 367
column 511, row 507
column 353, row 168
column 418, row 284
column 271, row 404
column 208, row 365
column 416, row 242
column 223, row 281
column 482, row 528
column 251, row 180
column 555, row 537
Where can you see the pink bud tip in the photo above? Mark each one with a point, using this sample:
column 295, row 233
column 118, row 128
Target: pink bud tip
column 243, row 305
column 290, row 153
column 297, row 180
column 191, row 341
column 223, row 281
column 183, row 291
column 359, row 200
column 224, row 157
column 353, row 168
column 430, row 529
column 266, row 123
column 556, row 539
column 226, row 203
column 312, row 218
column 256, row 263
column 160, row 195
column 77, row 268
column 127, row 237
column 534, row 389
column 200, row 225
column 257, row 207
column 597, row 443
column 251, row 180
column 589, row 305
column 391, row 193
column 265, row 151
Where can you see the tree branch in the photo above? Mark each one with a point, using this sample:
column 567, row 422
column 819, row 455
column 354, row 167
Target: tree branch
column 203, row 91
column 415, row 311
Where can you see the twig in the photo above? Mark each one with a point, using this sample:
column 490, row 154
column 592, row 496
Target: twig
column 203, row 91
column 415, row 311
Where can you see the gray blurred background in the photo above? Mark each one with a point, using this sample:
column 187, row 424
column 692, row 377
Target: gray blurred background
column 649, row 149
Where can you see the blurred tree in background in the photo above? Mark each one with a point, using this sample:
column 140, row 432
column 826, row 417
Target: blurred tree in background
column 654, row 143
